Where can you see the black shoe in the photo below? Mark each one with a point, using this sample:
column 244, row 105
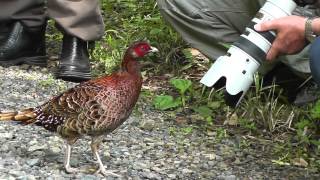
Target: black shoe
column 74, row 60
column 4, row 31
column 288, row 81
column 309, row 93
column 19, row 46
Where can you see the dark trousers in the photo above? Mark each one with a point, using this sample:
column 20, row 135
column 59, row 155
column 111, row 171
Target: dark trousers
column 315, row 60
column 207, row 24
column 30, row 13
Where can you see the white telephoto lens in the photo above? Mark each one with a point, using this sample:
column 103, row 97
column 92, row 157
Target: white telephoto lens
column 238, row 66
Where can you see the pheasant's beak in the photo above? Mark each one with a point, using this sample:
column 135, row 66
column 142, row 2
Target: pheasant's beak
column 153, row 50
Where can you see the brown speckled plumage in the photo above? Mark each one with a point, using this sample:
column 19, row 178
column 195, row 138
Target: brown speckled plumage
column 93, row 108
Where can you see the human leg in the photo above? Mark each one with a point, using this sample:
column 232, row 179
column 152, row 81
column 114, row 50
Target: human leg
column 22, row 32
column 207, row 24
column 80, row 22
column 31, row 13
column 80, row 18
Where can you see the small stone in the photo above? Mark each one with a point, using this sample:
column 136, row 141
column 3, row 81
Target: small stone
column 36, row 147
column 55, row 149
column 156, row 169
column 237, row 161
column 106, row 154
column 172, row 176
column 24, row 66
column 211, row 163
column 30, row 177
column 229, row 177
column 147, row 125
column 33, row 162
column 150, row 175
column 4, row 148
column 16, row 173
column 89, row 177
column 6, row 135
column 186, row 171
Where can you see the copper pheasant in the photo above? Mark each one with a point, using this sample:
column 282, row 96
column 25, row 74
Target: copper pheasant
column 94, row 108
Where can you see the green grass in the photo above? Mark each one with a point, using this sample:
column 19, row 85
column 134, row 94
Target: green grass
column 129, row 21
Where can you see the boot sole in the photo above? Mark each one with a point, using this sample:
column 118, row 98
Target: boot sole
column 35, row 60
column 73, row 76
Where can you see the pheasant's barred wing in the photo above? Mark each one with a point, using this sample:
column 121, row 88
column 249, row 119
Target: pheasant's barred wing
column 69, row 105
column 94, row 108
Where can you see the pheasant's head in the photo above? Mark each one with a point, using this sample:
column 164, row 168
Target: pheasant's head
column 135, row 51
column 140, row 49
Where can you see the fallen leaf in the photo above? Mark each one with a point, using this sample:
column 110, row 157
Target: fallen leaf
column 300, row 162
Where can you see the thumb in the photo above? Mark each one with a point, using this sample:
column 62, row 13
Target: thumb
column 264, row 26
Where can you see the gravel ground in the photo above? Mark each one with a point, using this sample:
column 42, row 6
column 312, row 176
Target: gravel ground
column 147, row 146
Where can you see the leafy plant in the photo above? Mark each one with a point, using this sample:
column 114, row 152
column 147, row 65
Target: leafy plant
column 205, row 112
column 182, row 85
column 187, row 130
column 165, row 102
column 221, row 133
column 245, row 123
column 309, row 124
column 315, row 111
column 129, row 21
column 47, row 82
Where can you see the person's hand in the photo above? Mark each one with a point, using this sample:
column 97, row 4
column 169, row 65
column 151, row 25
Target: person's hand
column 290, row 35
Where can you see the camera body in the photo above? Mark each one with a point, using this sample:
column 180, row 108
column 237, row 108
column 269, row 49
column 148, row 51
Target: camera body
column 236, row 69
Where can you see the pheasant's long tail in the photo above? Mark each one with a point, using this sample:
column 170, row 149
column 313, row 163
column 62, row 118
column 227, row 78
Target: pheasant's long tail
column 25, row 116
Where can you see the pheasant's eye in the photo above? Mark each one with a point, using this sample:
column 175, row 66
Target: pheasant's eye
column 143, row 48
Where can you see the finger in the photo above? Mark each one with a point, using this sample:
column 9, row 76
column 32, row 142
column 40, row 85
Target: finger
column 272, row 54
column 266, row 26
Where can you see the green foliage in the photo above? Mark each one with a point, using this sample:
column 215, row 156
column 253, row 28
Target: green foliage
column 308, row 125
column 250, row 125
column 187, row 54
column 301, row 131
column 187, row 130
column 221, row 134
column 47, row 82
column 206, row 112
column 182, row 85
column 315, row 111
column 173, row 131
column 127, row 21
column 203, row 111
column 264, row 106
column 165, row 102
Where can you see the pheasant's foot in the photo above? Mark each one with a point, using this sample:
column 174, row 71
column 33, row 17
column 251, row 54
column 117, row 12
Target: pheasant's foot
column 71, row 170
column 105, row 172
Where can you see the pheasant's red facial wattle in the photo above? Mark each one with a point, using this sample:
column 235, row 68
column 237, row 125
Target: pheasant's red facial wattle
column 143, row 48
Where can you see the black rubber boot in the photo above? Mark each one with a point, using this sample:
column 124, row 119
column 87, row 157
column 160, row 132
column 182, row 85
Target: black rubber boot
column 74, row 63
column 19, row 46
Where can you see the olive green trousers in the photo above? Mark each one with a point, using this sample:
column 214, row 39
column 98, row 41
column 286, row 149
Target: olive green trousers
column 207, row 24
column 80, row 18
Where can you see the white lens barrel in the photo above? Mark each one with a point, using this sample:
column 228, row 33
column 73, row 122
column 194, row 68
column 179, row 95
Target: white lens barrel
column 244, row 57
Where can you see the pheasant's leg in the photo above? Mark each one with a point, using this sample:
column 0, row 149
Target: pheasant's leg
column 94, row 147
column 67, row 166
